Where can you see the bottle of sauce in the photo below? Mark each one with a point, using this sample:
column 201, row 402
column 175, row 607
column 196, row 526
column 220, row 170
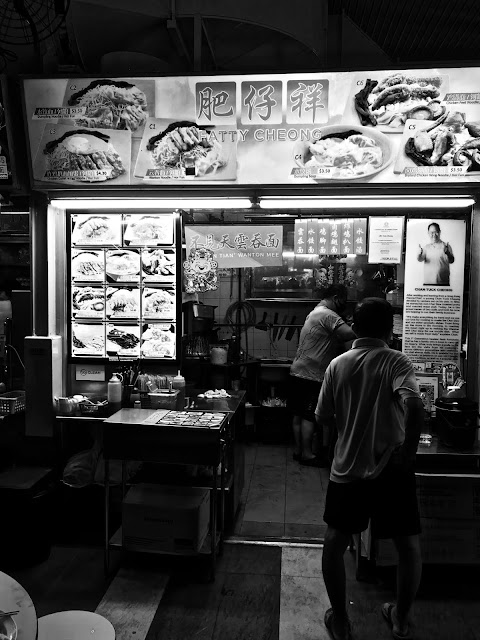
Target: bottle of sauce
column 114, row 391
column 178, row 382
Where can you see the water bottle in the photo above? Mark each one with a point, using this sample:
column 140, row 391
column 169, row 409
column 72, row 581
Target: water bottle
column 178, row 382
column 114, row 391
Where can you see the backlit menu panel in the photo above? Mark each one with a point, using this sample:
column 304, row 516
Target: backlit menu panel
column 123, row 285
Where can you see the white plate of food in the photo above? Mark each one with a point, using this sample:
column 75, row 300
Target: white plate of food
column 80, row 156
column 95, row 229
column 344, row 152
column 122, row 263
column 123, row 302
column 386, row 102
column 88, row 301
column 158, row 264
column 88, row 265
column 158, row 303
column 111, row 104
column 451, row 146
column 123, row 339
column 149, row 230
column 88, row 339
column 187, row 151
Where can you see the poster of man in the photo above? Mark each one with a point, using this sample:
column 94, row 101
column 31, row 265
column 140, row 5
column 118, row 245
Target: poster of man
column 435, row 252
column 437, row 257
column 434, row 283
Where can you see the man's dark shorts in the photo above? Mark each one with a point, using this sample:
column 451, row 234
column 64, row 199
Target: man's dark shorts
column 303, row 397
column 390, row 500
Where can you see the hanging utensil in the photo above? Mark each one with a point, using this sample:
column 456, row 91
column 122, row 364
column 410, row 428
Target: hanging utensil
column 291, row 329
column 282, row 328
column 262, row 325
column 275, row 327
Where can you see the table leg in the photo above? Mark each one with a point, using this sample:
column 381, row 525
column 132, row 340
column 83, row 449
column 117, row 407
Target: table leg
column 106, row 481
column 222, row 497
column 213, row 520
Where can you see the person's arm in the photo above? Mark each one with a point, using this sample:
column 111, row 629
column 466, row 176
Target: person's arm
column 325, row 410
column 344, row 333
column 420, row 254
column 449, row 253
column 413, row 420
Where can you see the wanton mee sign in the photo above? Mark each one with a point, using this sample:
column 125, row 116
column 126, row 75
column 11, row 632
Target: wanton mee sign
column 238, row 246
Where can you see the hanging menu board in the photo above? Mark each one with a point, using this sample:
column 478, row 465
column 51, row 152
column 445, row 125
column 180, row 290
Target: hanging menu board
column 393, row 126
column 123, row 285
column 328, row 236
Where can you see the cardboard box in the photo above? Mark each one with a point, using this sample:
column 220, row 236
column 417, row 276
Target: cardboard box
column 454, row 496
column 442, row 542
column 165, row 518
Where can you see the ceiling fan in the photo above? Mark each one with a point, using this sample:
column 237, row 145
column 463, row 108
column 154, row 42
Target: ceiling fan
column 29, row 22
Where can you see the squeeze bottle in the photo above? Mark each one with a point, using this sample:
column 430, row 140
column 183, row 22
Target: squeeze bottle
column 178, row 382
column 114, row 390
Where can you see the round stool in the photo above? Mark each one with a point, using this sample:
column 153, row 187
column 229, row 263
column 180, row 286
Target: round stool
column 75, row 625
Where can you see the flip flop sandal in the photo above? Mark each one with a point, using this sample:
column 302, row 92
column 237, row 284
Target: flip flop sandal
column 328, row 621
column 387, row 610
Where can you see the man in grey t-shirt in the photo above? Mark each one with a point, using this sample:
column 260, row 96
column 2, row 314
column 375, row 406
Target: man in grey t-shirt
column 371, row 396
column 323, row 337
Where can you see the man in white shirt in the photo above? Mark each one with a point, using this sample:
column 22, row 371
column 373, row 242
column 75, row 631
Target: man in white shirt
column 371, row 396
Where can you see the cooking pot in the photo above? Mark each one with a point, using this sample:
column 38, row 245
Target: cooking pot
column 457, row 422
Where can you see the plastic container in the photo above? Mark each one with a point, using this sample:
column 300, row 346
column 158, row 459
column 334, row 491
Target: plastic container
column 12, row 402
column 456, row 420
column 219, row 354
column 163, row 399
column 178, row 382
column 114, row 390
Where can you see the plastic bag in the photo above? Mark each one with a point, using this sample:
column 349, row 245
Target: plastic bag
column 80, row 469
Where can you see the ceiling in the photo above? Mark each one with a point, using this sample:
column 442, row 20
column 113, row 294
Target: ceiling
column 222, row 36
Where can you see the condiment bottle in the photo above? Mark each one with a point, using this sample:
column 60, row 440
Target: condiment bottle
column 178, row 382
column 114, row 390
column 428, row 409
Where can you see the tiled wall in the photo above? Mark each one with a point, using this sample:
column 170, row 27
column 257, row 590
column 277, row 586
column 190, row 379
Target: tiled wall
column 257, row 343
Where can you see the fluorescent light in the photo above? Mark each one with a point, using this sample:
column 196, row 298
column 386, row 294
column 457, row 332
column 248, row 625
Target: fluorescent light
column 356, row 202
column 158, row 203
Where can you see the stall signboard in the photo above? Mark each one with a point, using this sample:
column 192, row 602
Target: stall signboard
column 334, row 237
column 434, row 281
column 407, row 126
column 238, row 246
column 385, row 239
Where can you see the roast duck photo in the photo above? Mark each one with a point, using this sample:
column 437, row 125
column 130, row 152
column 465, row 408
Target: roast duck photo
column 399, row 97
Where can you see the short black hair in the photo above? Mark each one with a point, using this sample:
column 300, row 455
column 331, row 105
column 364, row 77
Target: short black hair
column 434, row 224
column 334, row 290
column 373, row 318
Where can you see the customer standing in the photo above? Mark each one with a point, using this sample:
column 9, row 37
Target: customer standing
column 370, row 393
column 321, row 339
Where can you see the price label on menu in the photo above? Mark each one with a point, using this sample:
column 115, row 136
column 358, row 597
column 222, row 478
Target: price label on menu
column 457, row 171
column 312, row 172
